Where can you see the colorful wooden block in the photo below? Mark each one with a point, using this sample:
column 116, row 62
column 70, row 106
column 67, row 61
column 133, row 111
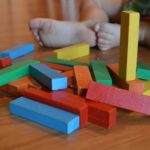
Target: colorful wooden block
column 70, row 75
column 129, row 45
column 60, row 99
column 57, row 66
column 136, row 85
column 101, row 114
column 143, row 71
column 18, row 51
column 48, row 77
column 83, row 78
column 70, row 63
column 15, row 71
column 48, row 116
column 146, row 93
column 146, row 85
column 100, row 72
column 5, row 62
column 118, row 97
column 72, row 52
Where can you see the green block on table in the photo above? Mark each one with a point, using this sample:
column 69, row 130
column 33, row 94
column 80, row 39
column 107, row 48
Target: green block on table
column 64, row 62
column 100, row 72
column 143, row 71
column 15, row 71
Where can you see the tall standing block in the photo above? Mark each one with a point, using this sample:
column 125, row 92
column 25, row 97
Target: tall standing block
column 72, row 52
column 45, row 115
column 129, row 45
column 48, row 77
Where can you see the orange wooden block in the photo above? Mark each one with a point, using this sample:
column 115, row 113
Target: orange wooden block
column 101, row 114
column 136, row 86
column 83, row 78
column 70, row 75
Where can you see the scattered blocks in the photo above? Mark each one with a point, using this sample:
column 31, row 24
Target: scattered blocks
column 72, row 52
column 101, row 114
column 100, row 72
column 15, row 71
column 143, row 71
column 18, row 51
column 48, row 77
column 48, row 116
column 129, row 45
column 83, row 78
column 136, row 85
column 118, row 97
column 5, row 62
column 60, row 99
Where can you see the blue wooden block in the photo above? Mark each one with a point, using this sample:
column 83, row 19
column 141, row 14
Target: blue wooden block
column 18, row 51
column 48, row 77
column 48, row 116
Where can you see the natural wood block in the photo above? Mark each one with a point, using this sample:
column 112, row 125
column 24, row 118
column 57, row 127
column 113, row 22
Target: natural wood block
column 5, row 62
column 118, row 97
column 83, row 78
column 62, row 100
column 101, row 114
column 129, row 45
column 72, row 52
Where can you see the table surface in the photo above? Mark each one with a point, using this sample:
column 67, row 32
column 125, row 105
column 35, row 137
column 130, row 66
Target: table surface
column 132, row 130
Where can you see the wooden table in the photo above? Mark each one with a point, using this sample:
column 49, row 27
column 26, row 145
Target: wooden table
column 132, row 131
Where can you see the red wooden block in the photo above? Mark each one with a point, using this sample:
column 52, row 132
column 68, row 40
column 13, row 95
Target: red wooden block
column 119, row 98
column 5, row 62
column 136, row 86
column 62, row 100
column 101, row 114
column 57, row 66
column 70, row 75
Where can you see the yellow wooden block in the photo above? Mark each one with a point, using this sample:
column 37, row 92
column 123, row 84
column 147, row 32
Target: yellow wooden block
column 146, row 85
column 72, row 52
column 147, row 93
column 129, row 45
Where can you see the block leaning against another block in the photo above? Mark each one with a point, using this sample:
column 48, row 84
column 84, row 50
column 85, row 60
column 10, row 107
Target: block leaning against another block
column 18, row 51
column 15, row 71
column 72, row 52
column 129, row 45
column 45, row 115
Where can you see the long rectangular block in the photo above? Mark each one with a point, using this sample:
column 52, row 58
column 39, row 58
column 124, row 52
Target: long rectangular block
column 136, row 85
column 118, row 97
column 129, row 45
column 101, row 114
column 15, row 71
column 100, row 72
column 72, row 52
column 70, row 75
column 70, row 63
column 62, row 100
column 5, row 62
column 48, row 116
column 18, row 51
column 48, row 77
column 83, row 78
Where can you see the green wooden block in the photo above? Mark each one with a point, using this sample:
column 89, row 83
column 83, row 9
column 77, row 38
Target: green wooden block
column 100, row 72
column 143, row 71
column 65, row 62
column 15, row 71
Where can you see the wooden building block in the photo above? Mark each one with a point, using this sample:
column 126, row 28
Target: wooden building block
column 100, row 72
column 70, row 75
column 48, row 77
column 146, row 85
column 15, row 71
column 101, row 114
column 72, row 52
column 118, row 97
column 18, row 51
column 57, row 66
column 143, row 71
column 48, row 116
column 70, row 63
column 129, row 45
column 83, row 78
column 146, row 93
column 5, row 62
column 136, row 85
column 62, row 100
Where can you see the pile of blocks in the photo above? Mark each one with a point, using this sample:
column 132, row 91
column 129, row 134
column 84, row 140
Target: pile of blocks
column 65, row 95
